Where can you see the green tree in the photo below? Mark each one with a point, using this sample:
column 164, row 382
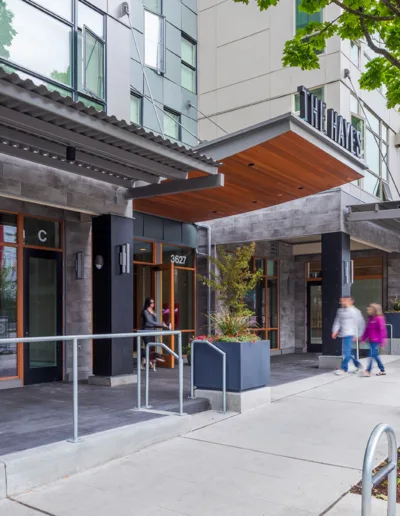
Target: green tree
column 63, row 77
column 7, row 32
column 376, row 22
column 233, row 278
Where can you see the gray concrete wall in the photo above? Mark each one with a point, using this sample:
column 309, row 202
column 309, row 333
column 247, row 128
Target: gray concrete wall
column 308, row 216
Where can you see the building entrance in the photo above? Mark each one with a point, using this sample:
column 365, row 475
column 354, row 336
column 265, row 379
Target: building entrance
column 166, row 273
column 42, row 315
column 314, row 317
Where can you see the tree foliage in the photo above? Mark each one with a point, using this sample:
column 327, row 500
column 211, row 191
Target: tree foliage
column 376, row 22
column 7, row 32
column 233, row 278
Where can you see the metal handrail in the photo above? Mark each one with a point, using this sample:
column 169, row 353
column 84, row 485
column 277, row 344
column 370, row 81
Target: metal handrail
column 75, row 339
column 390, row 470
column 223, row 369
column 180, row 359
column 391, row 336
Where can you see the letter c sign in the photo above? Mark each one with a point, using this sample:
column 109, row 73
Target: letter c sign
column 42, row 235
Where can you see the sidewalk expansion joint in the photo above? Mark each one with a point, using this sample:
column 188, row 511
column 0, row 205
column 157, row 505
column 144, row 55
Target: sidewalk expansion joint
column 328, row 509
column 39, row 511
column 273, row 454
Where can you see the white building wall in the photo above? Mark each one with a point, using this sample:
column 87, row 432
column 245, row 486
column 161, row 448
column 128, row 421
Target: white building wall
column 242, row 80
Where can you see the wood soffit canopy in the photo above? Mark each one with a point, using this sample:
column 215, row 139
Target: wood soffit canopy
column 268, row 164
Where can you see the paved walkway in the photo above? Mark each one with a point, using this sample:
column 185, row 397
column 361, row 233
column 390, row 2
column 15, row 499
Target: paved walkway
column 42, row 414
column 297, row 456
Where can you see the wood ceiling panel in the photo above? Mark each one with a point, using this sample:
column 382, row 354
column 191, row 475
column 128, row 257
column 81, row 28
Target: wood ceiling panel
column 284, row 168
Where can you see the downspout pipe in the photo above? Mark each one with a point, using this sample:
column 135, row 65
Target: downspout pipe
column 207, row 227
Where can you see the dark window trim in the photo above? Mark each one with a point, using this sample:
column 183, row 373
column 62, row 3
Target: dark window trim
column 175, row 113
column 185, row 63
column 164, row 20
column 74, row 62
column 134, row 93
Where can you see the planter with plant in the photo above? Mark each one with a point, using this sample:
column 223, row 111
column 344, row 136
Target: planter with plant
column 247, row 357
column 393, row 318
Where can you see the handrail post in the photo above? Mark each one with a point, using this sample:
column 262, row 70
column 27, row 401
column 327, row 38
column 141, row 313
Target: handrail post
column 224, row 382
column 369, row 480
column 180, row 374
column 212, row 346
column 192, row 369
column 146, row 391
column 75, row 438
column 139, row 372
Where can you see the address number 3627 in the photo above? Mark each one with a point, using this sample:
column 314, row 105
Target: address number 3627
column 178, row 260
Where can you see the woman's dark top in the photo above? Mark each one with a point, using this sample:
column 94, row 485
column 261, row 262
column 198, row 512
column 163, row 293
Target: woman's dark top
column 150, row 321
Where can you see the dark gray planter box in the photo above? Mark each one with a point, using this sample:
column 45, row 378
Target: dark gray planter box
column 393, row 318
column 247, row 365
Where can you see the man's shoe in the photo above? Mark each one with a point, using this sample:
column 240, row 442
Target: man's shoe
column 340, row 372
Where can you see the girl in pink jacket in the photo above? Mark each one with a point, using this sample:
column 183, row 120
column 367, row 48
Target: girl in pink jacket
column 376, row 334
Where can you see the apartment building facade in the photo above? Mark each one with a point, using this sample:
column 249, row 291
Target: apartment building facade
column 243, row 82
column 79, row 80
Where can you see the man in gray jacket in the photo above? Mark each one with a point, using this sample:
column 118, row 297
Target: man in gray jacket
column 349, row 324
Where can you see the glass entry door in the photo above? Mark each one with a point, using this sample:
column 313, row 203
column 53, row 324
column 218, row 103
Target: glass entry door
column 42, row 315
column 314, row 317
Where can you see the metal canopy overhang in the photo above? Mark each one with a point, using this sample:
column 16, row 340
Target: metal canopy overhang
column 385, row 214
column 38, row 125
column 277, row 161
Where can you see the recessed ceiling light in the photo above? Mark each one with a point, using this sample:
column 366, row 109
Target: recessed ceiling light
column 15, row 145
column 254, row 202
column 301, row 187
column 45, row 154
column 35, row 151
column 5, row 142
column 26, row 148
column 215, row 211
column 80, row 165
column 250, row 165
column 54, row 156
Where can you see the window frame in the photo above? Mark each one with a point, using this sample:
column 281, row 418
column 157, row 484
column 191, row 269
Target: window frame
column 312, row 90
column 72, row 91
column 383, row 183
column 188, row 65
column 86, row 30
column 358, row 46
column 159, row 70
column 137, row 95
column 296, row 29
column 172, row 112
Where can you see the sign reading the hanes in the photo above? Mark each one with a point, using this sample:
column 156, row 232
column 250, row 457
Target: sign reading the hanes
column 313, row 110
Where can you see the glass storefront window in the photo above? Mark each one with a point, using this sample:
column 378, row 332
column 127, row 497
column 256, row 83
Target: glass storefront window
column 8, row 310
column 8, row 228
column 20, row 30
column 42, row 233
column 179, row 256
column 272, row 303
column 272, row 268
column 184, row 297
column 143, row 252
column 260, row 264
column 273, row 339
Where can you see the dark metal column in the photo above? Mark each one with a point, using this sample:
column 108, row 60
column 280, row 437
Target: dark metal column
column 336, row 271
column 112, row 295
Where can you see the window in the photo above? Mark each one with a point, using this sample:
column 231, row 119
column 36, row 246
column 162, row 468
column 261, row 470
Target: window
column 153, row 5
column 171, row 125
column 136, row 109
column 22, row 43
column 91, row 50
column 188, row 53
column 154, row 41
column 376, row 154
column 318, row 92
column 355, row 53
column 37, row 45
column 263, row 301
column 357, row 121
column 303, row 19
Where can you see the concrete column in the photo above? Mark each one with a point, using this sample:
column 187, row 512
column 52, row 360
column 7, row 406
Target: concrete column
column 112, row 300
column 336, row 269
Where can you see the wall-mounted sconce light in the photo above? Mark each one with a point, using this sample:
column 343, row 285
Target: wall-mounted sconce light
column 79, row 270
column 99, row 262
column 124, row 259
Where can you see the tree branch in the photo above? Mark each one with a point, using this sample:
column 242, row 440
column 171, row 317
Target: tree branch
column 362, row 14
column 380, row 51
column 391, row 7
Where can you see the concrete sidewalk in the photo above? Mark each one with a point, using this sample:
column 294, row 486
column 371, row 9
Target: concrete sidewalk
column 297, row 456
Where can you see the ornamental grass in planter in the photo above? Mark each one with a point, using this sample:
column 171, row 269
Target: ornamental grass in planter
column 247, row 357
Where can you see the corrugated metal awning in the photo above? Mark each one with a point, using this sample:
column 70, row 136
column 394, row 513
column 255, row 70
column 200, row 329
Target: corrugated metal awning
column 39, row 125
